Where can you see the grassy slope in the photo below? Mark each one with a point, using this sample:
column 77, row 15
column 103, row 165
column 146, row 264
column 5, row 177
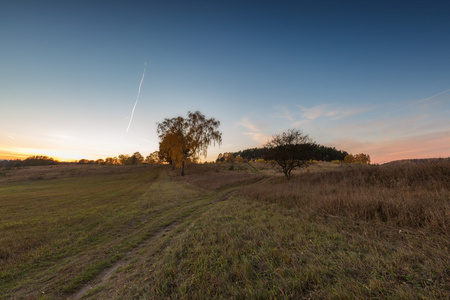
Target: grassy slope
column 267, row 240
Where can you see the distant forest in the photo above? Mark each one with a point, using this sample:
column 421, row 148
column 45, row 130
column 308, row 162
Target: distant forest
column 322, row 153
column 30, row 161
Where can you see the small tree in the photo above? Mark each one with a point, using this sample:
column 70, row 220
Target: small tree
column 112, row 161
column 220, row 158
column 349, row 159
column 136, row 158
column 239, row 159
column 229, row 157
column 152, row 158
column 123, row 158
column 363, row 158
column 360, row 158
column 290, row 150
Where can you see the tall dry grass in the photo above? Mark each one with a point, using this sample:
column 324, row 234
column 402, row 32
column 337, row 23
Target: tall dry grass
column 409, row 194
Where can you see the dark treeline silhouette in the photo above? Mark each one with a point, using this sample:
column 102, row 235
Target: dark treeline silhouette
column 37, row 160
column 319, row 152
column 325, row 153
column 40, row 160
column 11, row 163
column 252, row 153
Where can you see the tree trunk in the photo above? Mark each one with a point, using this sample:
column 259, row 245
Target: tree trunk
column 182, row 168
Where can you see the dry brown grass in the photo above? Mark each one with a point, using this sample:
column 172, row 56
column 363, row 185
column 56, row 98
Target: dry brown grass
column 415, row 195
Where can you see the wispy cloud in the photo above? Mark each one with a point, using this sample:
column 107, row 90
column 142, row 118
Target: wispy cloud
column 299, row 114
column 318, row 111
column 246, row 123
column 381, row 127
column 254, row 131
column 285, row 112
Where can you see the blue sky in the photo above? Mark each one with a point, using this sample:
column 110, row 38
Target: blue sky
column 362, row 76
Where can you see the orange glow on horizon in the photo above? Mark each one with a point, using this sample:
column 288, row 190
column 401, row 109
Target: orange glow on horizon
column 59, row 155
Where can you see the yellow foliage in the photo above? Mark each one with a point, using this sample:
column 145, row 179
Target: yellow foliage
column 357, row 159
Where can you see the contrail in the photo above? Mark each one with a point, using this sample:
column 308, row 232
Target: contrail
column 434, row 96
column 416, row 102
column 137, row 98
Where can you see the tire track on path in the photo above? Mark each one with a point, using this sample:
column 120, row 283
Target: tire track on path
column 106, row 274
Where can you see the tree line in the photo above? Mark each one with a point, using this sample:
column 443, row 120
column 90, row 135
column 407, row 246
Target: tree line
column 35, row 160
column 318, row 152
column 124, row 160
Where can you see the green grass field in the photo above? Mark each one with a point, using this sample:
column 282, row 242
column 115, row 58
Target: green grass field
column 333, row 231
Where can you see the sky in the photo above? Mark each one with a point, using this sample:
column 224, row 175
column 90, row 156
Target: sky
column 91, row 79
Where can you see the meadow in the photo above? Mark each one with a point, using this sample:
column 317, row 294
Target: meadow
column 226, row 231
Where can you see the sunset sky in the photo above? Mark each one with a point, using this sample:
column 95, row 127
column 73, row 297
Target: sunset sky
column 362, row 76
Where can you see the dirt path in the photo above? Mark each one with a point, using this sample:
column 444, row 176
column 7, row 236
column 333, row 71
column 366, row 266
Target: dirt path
column 104, row 276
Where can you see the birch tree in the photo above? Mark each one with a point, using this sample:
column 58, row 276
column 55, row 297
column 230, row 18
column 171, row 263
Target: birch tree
column 187, row 139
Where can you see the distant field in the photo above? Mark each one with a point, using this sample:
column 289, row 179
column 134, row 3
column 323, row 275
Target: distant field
column 225, row 231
